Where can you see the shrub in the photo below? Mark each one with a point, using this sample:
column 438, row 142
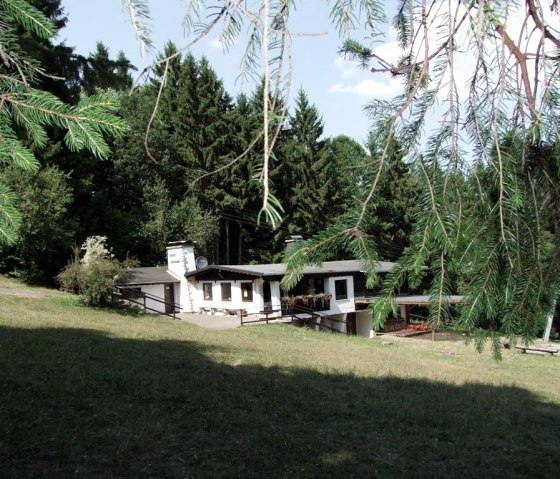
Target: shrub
column 94, row 276
column 71, row 277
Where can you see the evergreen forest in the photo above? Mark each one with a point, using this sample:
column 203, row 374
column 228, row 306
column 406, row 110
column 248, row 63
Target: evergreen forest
column 179, row 172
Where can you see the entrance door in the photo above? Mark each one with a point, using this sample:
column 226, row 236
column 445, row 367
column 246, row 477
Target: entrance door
column 169, row 298
column 267, row 295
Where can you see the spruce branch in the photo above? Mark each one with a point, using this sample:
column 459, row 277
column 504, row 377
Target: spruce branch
column 139, row 12
column 21, row 13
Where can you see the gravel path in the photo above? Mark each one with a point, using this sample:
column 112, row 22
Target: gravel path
column 210, row 321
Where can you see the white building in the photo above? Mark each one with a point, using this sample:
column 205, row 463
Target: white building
column 330, row 290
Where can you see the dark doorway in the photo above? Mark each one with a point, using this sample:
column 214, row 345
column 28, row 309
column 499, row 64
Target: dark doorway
column 169, row 298
column 267, row 295
column 351, row 323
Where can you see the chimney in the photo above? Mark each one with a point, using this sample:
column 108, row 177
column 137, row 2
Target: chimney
column 291, row 241
column 180, row 258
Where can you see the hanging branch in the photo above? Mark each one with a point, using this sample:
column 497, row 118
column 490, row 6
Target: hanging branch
column 266, row 153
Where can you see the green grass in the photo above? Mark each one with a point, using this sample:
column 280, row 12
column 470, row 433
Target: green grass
column 96, row 394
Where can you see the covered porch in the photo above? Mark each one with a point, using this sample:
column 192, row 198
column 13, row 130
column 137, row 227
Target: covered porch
column 403, row 325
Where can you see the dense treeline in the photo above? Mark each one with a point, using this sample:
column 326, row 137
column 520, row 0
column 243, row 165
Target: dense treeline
column 142, row 198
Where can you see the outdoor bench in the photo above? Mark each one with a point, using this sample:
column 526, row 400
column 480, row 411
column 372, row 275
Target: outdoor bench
column 551, row 351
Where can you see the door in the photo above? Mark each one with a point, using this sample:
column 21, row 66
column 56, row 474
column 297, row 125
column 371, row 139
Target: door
column 267, row 296
column 351, row 323
column 169, row 298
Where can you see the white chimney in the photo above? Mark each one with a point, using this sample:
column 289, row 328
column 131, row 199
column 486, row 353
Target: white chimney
column 291, row 240
column 180, row 260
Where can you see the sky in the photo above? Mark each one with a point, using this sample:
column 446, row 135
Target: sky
column 337, row 87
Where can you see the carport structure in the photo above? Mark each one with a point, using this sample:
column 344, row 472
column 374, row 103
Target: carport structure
column 406, row 302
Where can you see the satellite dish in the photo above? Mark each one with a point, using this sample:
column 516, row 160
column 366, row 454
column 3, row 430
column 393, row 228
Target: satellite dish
column 201, row 262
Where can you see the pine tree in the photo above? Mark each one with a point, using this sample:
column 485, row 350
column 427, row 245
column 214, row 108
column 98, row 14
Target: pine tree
column 46, row 230
column 100, row 72
column 187, row 137
column 297, row 170
column 341, row 160
column 396, row 202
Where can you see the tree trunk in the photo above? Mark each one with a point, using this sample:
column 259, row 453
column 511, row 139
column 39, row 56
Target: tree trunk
column 217, row 252
column 227, row 242
column 239, row 245
column 546, row 336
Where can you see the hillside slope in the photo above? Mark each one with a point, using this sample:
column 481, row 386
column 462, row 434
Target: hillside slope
column 93, row 393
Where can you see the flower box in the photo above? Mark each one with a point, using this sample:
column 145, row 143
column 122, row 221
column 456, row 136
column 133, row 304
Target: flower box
column 393, row 325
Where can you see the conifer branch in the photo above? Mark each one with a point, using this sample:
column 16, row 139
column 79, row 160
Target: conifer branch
column 266, row 106
column 163, row 81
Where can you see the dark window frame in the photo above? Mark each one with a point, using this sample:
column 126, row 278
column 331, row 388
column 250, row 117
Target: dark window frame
column 339, row 294
column 207, row 288
column 224, row 298
column 249, row 298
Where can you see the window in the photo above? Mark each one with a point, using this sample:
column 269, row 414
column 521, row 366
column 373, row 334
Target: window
column 207, row 291
column 340, row 289
column 226, row 291
column 247, row 292
column 319, row 286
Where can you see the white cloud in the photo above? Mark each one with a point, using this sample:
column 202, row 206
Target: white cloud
column 369, row 88
column 216, row 43
column 390, row 52
column 347, row 68
column 350, row 79
column 353, row 79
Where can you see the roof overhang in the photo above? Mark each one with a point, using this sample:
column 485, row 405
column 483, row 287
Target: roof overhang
column 148, row 276
column 221, row 269
column 415, row 300
column 275, row 272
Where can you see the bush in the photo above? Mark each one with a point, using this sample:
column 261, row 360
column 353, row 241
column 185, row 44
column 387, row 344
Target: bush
column 71, row 277
column 94, row 276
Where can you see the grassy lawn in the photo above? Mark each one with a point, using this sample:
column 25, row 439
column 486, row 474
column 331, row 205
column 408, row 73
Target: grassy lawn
column 95, row 394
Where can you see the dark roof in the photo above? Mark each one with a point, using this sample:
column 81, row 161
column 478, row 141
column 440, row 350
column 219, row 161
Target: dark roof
column 180, row 243
column 330, row 268
column 155, row 275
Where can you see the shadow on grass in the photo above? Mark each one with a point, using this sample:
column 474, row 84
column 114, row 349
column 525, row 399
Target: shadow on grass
column 75, row 403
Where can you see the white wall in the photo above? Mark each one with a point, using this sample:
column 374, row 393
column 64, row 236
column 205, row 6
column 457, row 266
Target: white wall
column 236, row 300
column 337, row 307
column 155, row 290
column 364, row 324
column 340, row 305
column 338, row 325
column 276, row 297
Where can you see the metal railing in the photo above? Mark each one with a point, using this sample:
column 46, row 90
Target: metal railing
column 297, row 314
column 131, row 295
column 314, row 319
column 258, row 315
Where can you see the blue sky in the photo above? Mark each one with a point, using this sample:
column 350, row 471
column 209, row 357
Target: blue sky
column 337, row 87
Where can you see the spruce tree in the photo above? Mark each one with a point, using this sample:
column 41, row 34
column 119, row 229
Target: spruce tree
column 100, row 72
column 396, row 202
column 298, row 172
